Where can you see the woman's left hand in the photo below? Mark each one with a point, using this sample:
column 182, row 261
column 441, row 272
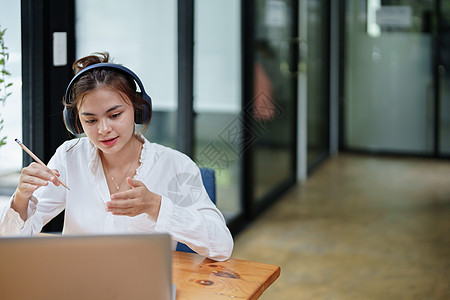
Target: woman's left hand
column 135, row 201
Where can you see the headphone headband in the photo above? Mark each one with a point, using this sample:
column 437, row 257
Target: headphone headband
column 141, row 117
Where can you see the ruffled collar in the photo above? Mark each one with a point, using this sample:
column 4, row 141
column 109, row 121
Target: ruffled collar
column 144, row 154
column 95, row 163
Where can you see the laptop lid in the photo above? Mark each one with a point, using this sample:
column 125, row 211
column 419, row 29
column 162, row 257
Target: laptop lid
column 86, row 267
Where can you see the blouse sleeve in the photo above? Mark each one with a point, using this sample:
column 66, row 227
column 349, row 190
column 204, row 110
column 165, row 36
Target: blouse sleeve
column 46, row 202
column 10, row 221
column 190, row 216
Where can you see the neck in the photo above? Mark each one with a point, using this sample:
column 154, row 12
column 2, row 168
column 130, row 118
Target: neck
column 124, row 157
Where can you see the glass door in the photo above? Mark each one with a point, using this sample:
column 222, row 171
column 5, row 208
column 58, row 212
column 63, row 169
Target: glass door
column 271, row 111
column 389, row 79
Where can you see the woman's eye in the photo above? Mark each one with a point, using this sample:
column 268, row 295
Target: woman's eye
column 89, row 121
column 115, row 115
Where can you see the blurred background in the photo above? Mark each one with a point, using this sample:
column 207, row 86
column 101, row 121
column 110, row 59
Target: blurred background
column 327, row 123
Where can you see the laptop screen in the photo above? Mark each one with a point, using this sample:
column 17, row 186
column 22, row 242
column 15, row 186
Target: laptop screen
column 86, row 267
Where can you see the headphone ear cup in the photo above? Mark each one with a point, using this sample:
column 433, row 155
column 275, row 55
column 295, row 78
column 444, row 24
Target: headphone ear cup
column 71, row 122
column 138, row 116
column 143, row 114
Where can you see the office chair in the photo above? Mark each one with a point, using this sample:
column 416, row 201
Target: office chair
column 209, row 181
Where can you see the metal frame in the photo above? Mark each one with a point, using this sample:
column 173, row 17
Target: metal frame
column 247, row 21
column 335, row 64
column 185, row 113
column 436, row 77
column 331, row 79
column 32, row 16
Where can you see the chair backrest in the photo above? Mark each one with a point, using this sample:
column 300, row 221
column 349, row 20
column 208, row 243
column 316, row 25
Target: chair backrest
column 209, row 181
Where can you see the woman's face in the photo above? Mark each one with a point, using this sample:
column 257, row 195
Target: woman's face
column 107, row 119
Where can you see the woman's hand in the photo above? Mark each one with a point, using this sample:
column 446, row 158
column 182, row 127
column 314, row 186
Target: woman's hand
column 31, row 178
column 134, row 202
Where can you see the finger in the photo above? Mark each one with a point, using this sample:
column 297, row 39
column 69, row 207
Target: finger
column 27, row 187
column 38, row 177
column 124, row 212
column 55, row 180
column 34, row 181
column 129, row 214
column 134, row 183
column 36, row 170
column 125, row 195
column 120, row 204
column 36, row 166
column 54, row 174
column 121, row 210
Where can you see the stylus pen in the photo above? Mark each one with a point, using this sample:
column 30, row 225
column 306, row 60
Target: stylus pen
column 39, row 161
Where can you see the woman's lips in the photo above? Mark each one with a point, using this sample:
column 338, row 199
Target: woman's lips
column 110, row 142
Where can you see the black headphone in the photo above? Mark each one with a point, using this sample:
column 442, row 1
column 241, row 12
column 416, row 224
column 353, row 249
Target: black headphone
column 141, row 116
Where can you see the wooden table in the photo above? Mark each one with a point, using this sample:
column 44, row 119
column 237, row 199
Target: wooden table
column 197, row 277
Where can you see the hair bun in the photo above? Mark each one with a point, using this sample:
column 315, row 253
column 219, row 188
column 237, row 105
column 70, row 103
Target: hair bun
column 95, row 58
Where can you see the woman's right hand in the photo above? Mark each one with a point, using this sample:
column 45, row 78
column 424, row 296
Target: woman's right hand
column 31, row 178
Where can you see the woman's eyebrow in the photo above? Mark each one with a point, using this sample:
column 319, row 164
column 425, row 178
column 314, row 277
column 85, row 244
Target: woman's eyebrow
column 113, row 108
column 109, row 110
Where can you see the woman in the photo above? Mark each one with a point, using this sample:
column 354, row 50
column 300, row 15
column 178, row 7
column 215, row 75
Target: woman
column 119, row 181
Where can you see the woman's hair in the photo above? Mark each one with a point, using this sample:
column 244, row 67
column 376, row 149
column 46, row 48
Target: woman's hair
column 102, row 78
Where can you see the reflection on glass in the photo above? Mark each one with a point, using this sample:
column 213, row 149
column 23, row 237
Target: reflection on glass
column 272, row 106
column 217, row 97
column 145, row 40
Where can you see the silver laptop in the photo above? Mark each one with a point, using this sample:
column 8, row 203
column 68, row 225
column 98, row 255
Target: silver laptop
column 86, row 267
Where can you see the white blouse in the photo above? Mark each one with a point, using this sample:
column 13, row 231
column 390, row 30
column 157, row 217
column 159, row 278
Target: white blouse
column 186, row 212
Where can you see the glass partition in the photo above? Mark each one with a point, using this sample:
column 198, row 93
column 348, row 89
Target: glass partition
column 141, row 35
column 217, row 96
column 272, row 109
column 389, row 83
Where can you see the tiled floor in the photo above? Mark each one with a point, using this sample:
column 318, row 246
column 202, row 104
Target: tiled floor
column 359, row 228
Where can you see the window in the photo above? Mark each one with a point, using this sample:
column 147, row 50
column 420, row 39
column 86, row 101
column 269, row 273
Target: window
column 11, row 110
column 145, row 40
